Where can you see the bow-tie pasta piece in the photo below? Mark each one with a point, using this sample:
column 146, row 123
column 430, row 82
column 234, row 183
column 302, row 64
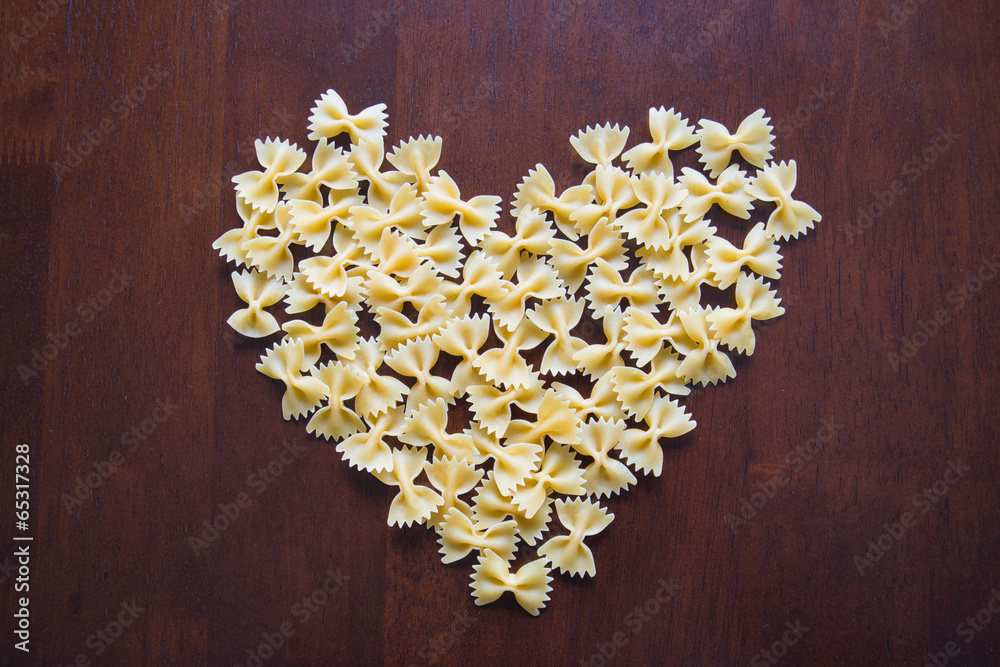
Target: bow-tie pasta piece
column 607, row 288
column 459, row 538
column 230, row 244
column 491, row 506
column 571, row 262
column 339, row 276
column 557, row 317
column 559, row 471
column 615, row 191
column 597, row 359
column 427, row 426
column 670, row 260
column 704, row 363
column 759, row 254
column 336, row 420
column 644, row 335
column 443, row 201
column 504, row 365
column 339, row 333
column 366, row 159
column 493, row 578
column 453, row 478
column 533, row 233
column 380, row 392
column 753, row 140
column 313, row 223
column 462, row 337
column 491, row 405
column 636, row 389
column 368, row 450
column 791, row 218
column 658, row 194
column 512, row 463
column 538, row 191
column 415, row 359
column 394, row 293
column 329, row 167
column 754, row 301
column 641, row 447
column 302, row 297
column 602, row 402
column 443, row 249
column 729, row 192
column 414, row 503
column 259, row 292
column 480, row 277
column 367, row 223
column 416, row 158
column 555, row 420
column 397, row 255
column 685, row 292
column 272, row 255
column 330, row 118
column 600, row 145
column 286, row 362
column 260, row 188
column 670, row 132
column 582, row 518
column 605, row 475
column 398, row 330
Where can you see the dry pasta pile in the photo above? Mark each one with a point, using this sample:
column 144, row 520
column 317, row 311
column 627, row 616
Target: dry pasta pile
column 629, row 249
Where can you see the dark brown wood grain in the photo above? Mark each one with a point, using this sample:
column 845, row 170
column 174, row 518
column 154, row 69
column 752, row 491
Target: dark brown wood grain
column 121, row 127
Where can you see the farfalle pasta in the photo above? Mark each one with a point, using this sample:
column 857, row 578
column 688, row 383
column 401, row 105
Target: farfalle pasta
column 538, row 191
column 669, row 132
column 260, row 188
column 582, row 518
column 753, row 140
column 493, row 369
column 259, row 292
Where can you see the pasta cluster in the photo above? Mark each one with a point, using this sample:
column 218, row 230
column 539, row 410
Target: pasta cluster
column 565, row 340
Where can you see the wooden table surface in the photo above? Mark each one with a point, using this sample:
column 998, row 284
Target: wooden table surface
column 844, row 484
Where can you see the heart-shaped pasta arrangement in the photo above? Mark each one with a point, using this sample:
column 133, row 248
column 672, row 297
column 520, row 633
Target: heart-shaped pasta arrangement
column 512, row 372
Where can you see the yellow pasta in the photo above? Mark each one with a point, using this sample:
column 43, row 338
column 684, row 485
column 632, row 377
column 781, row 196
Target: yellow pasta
column 286, row 362
column 582, row 518
column 670, row 132
column 538, row 191
column 260, row 188
column 753, row 140
column 530, row 584
column 368, row 450
column 601, row 144
column 414, row 503
column 729, row 192
column 557, row 317
column 606, row 475
column 330, row 118
column 453, row 478
column 568, row 329
column 259, row 292
column 336, row 420
column 754, row 301
column 417, row 158
column 775, row 183
column 443, row 201
column 459, row 537
column 330, row 167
